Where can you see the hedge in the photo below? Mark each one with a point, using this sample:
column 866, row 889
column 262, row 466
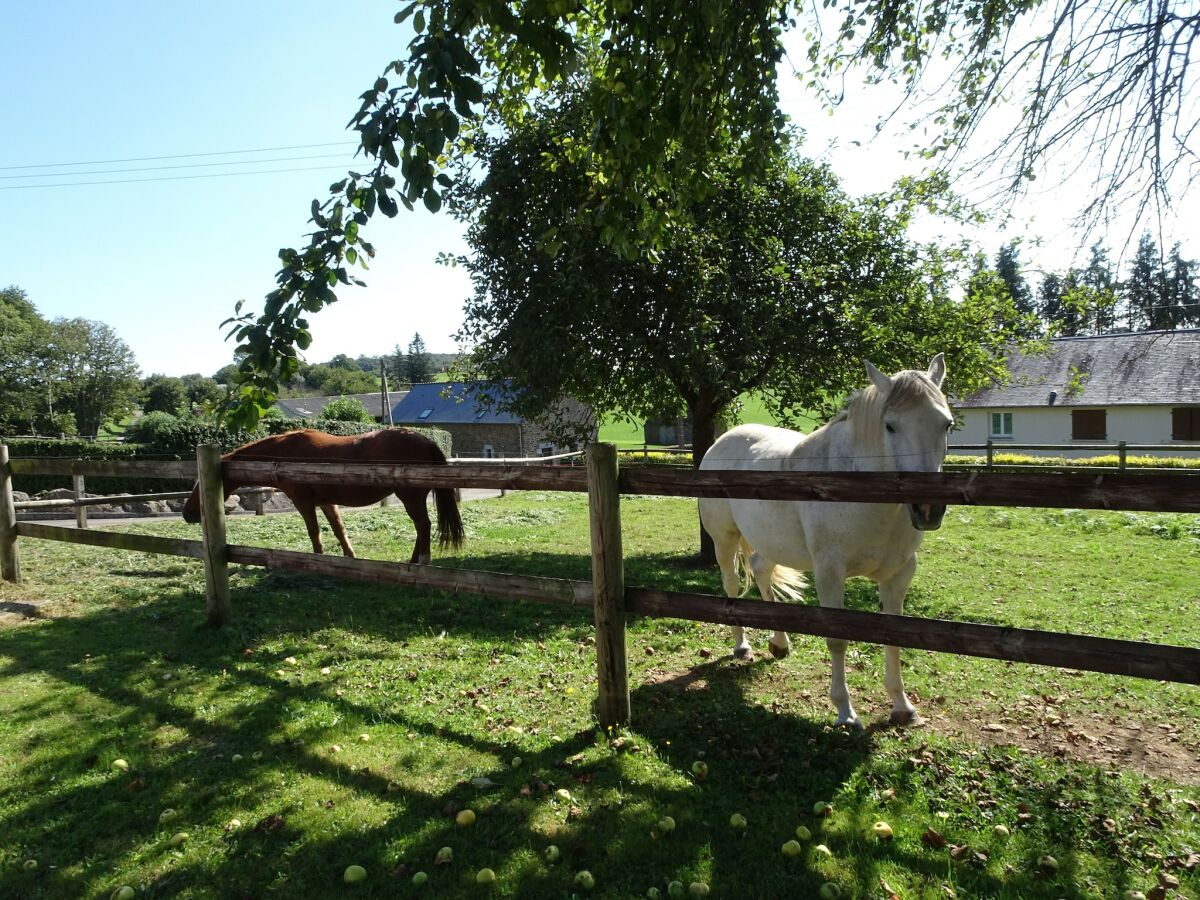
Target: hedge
column 1110, row 461
column 171, row 442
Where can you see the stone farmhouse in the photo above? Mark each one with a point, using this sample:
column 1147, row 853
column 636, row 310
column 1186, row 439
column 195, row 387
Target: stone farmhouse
column 477, row 431
column 310, row 407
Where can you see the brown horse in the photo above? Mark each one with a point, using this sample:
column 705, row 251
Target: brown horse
column 392, row 445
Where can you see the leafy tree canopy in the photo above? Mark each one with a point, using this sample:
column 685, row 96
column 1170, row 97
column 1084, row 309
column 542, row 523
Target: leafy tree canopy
column 781, row 285
column 674, row 85
column 345, row 409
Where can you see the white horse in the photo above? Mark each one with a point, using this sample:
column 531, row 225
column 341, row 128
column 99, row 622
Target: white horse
column 896, row 424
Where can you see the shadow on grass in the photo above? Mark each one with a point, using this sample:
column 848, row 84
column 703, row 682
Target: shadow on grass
column 66, row 805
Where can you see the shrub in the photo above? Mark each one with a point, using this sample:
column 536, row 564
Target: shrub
column 1110, row 461
column 146, row 429
column 346, row 409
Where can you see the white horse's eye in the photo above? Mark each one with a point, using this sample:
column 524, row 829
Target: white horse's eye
column 890, row 429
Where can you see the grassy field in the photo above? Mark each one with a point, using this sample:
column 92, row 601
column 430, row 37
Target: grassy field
column 336, row 724
column 624, row 433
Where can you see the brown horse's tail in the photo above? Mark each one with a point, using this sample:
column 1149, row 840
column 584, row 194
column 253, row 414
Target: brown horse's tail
column 450, row 526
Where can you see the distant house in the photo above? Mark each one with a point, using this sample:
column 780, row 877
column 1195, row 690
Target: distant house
column 310, row 407
column 1139, row 387
column 477, row 430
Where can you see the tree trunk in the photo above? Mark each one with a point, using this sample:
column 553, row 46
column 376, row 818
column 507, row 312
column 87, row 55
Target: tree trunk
column 704, row 432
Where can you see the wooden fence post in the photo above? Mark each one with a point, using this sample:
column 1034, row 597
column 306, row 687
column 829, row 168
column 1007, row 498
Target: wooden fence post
column 1121, row 456
column 80, row 511
column 212, row 513
column 10, row 561
column 608, row 584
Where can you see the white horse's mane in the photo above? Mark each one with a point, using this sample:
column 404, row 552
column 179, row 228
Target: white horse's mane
column 865, row 408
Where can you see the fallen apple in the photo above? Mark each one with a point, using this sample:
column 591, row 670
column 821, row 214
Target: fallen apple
column 466, row 818
column 290, row 660
column 1000, row 831
column 653, row 894
column 823, row 850
column 419, row 878
column 325, row 670
column 364, row 737
column 791, row 849
column 700, row 769
column 1134, row 895
column 803, row 833
column 563, row 794
column 666, row 825
column 698, row 889
column 444, row 857
column 237, row 758
column 738, row 822
column 257, row 754
column 882, row 830
column 354, row 874
column 485, row 876
column 233, row 824
column 552, row 854
column 1047, row 864
column 124, row 892
column 821, row 808
column 585, row 880
column 393, row 787
column 120, row 765
column 676, row 889
column 30, row 865
column 829, row 891
column 177, row 839
column 516, row 762
column 167, row 815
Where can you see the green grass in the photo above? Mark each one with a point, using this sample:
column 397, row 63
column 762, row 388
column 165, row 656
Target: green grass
column 450, row 689
column 625, row 433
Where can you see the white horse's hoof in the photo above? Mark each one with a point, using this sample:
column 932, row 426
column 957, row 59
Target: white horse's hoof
column 909, row 718
column 854, row 724
column 743, row 653
column 779, row 652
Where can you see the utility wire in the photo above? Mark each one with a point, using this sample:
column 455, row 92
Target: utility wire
column 105, row 162
column 25, row 187
column 134, row 170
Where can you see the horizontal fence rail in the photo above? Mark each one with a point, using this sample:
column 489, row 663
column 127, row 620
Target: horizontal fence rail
column 143, row 468
column 1174, row 492
column 110, row 499
column 116, row 540
column 1048, row 648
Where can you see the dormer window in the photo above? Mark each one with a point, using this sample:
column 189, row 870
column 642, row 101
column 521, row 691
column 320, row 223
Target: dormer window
column 426, row 413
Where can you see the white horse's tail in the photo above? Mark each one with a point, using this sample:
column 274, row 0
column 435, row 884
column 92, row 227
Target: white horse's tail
column 786, row 584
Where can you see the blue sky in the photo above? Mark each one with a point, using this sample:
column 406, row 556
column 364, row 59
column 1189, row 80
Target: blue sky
column 164, row 261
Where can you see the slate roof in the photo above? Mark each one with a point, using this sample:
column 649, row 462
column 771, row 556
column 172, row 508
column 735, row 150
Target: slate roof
column 458, row 408
column 1130, row 369
column 310, row 407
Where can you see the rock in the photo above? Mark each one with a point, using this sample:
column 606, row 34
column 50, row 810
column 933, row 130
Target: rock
column 19, row 496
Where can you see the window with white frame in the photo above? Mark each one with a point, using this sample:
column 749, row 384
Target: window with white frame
column 545, row 449
column 489, row 452
column 1002, row 425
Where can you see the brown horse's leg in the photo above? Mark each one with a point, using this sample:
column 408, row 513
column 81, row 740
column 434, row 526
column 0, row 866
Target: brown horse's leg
column 308, row 512
column 415, row 505
column 334, row 515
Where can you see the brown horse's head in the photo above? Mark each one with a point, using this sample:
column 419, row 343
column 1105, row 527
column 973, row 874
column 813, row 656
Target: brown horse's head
column 191, row 507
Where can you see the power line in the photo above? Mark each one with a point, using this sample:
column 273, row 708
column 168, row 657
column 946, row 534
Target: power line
column 25, row 187
column 105, row 162
column 136, row 169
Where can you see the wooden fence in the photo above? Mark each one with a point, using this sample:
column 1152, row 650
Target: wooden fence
column 611, row 600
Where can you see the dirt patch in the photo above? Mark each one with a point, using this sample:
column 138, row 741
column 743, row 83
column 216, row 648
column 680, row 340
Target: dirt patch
column 13, row 612
column 1106, row 742
column 1109, row 742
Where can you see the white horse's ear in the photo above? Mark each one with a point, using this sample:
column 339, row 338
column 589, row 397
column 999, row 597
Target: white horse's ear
column 937, row 369
column 882, row 383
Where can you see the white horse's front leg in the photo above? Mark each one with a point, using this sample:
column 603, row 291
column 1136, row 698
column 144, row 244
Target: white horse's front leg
column 891, row 597
column 831, row 590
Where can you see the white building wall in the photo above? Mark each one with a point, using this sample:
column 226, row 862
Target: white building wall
column 1052, row 425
